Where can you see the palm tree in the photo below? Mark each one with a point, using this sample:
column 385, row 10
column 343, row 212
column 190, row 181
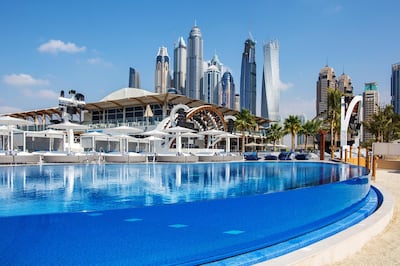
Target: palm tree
column 334, row 101
column 245, row 121
column 310, row 129
column 384, row 124
column 292, row 125
column 275, row 133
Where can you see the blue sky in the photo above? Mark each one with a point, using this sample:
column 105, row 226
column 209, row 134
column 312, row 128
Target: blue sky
column 47, row 46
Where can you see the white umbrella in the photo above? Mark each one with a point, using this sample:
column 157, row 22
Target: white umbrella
column 191, row 135
column 155, row 132
column 68, row 125
column 148, row 113
column 178, row 131
column 212, row 132
column 123, row 130
column 13, row 121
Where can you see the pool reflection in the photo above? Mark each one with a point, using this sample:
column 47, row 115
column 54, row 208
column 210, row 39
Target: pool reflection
column 66, row 188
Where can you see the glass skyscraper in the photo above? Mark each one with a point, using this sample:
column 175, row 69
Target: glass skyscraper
column 227, row 95
column 326, row 79
column 370, row 105
column 395, row 87
column 270, row 91
column 194, row 72
column 180, row 66
column 162, row 77
column 134, row 78
column 248, row 77
column 212, row 84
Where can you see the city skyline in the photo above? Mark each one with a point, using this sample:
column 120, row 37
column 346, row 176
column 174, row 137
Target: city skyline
column 90, row 46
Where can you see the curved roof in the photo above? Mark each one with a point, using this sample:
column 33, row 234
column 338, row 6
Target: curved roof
column 126, row 93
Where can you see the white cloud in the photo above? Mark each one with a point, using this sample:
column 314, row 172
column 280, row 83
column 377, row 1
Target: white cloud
column 95, row 61
column 40, row 94
column 98, row 61
column 284, row 86
column 9, row 109
column 24, row 80
column 56, row 46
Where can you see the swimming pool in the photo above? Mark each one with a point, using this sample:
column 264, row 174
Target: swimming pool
column 155, row 214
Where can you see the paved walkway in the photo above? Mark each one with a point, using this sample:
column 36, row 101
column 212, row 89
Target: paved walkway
column 383, row 249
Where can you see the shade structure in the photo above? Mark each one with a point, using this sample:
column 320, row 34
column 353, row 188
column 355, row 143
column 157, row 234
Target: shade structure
column 212, row 133
column 4, row 130
column 13, row 121
column 93, row 136
column 123, row 130
column 124, row 141
column 69, row 127
column 50, row 134
column 10, row 121
column 153, row 139
column 228, row 137
column 178, row 132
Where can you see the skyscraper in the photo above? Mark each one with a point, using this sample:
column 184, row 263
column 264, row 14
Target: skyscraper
column 344, row 85
column 180, row 66
column 370, row 105
column 270, row 91
column 395, row 87
column 248, row 77
column 212, row 84
column 227, row 95
column 194, row 72
column 134, row 78
column 162, row 76
column 326, row 79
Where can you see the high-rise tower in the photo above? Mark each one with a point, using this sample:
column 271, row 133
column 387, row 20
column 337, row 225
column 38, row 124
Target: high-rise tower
column 270, row 91
column 248, row 77
column 395, row 87
column 162, row 76
column 194, row 72
column 227, row 95
column 134, row 78
column 370, row 105
column 180, row 66
column 326, row 79
column 212, row 84
column 344, row 85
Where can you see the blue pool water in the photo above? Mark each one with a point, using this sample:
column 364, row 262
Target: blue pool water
column 163, row 214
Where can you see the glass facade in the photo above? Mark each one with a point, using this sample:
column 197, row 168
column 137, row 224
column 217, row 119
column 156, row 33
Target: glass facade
column 133, row 115
column 194, row 70
column 248, row 77
column 395, row 87
column 270, row 82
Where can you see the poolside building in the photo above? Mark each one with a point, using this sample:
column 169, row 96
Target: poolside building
column 127, row 106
